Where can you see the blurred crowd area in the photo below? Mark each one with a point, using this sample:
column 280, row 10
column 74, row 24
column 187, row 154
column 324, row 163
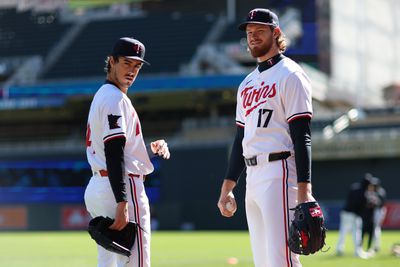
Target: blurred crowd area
column 44, row 177
column 55, row 173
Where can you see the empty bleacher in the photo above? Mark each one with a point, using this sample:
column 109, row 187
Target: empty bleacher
column 210, row 7
column 303, row 49
column 10, row 134
column 27, row 33
column 378, row 119
column 170, row 41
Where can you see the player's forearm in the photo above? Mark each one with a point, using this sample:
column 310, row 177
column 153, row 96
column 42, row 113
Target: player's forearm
column 304, row 192
column 300, row 133
column 227, row 186
column 236, row 161
column 114, row 153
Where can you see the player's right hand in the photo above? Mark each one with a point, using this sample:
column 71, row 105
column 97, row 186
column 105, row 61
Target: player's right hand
column 160, row 147
column 121, row 216
column 227, row 196
column 224, row 208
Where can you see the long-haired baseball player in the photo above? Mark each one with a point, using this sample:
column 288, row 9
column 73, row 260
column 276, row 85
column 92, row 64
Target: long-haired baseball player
column 118, row 156
column 273, row 116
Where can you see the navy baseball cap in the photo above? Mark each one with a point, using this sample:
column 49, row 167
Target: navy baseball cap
column 130, row 48
column 260, row 16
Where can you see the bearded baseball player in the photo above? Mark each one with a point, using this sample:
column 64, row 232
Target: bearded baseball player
column 273, row 142
column 118, row 156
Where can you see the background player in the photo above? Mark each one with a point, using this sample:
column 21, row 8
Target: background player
column 273, row 116
column 118, row 156
column 373, row 215
column 351, row 217
column 379, row 216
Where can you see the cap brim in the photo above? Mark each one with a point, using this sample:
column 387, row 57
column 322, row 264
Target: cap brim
column 242, row 26
column 138, row 58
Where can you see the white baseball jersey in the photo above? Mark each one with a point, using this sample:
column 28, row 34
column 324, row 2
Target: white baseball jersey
column 267, row 102
column 112, row 115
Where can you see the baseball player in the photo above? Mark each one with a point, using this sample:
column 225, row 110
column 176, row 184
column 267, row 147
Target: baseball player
column 273, row 141
column 373, row 214
column 351, row 217
column 379, row 216
column 118, row 156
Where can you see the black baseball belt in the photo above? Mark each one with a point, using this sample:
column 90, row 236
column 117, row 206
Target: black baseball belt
column 104, row 173
column 263, row 158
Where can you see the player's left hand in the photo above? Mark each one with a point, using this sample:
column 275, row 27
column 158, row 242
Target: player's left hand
column 160, row 147
column 307, row 231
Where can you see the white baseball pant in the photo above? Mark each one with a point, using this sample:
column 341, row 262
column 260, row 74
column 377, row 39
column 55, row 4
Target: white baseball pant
column 100, row 201
column 271, row 191
column 349, row 223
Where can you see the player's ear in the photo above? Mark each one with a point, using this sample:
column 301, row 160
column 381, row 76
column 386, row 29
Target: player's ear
column 276, row 32
column 113, row 60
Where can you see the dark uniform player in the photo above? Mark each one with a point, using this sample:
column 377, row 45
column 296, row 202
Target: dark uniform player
column 375, row 197
column 350, row 217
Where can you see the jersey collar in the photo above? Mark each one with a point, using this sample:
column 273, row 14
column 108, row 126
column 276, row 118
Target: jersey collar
column 262, row 66
column 110, row 82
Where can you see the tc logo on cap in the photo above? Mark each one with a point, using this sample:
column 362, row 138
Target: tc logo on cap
column 130, row 48
column 260, row 16
column 251, row 14
column 138, row 49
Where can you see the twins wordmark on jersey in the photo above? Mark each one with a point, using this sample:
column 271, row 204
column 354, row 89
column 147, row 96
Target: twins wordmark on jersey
column 267, row 102
column 253, row 97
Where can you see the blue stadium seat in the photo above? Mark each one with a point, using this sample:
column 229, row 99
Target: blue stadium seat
column 26, row 33
column 169, row 43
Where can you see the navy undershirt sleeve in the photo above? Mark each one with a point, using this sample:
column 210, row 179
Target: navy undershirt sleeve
column 300, row 131
column 114, row 152
column 236, row 161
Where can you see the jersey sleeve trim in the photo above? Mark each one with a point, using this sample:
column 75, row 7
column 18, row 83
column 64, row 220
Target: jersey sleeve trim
column 112, row 136
column 299, row 115
column 240, row 124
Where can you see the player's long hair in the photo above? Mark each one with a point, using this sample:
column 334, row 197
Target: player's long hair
column 107, row 67
column 280, row 40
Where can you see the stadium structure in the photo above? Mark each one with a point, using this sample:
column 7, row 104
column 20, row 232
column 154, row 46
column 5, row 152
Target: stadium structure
column 52, row 56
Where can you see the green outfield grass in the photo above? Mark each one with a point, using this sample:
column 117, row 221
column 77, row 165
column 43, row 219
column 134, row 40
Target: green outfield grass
column 170, row 249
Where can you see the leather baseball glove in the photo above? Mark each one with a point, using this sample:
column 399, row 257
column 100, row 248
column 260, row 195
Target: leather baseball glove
column 307, row 230
column 120, row 242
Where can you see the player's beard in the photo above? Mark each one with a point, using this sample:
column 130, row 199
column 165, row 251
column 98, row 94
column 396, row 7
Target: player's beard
column 128, row 82
column 123, row 79
column 261, row 50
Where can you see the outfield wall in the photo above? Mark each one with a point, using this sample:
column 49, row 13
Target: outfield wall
column 166, row 216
